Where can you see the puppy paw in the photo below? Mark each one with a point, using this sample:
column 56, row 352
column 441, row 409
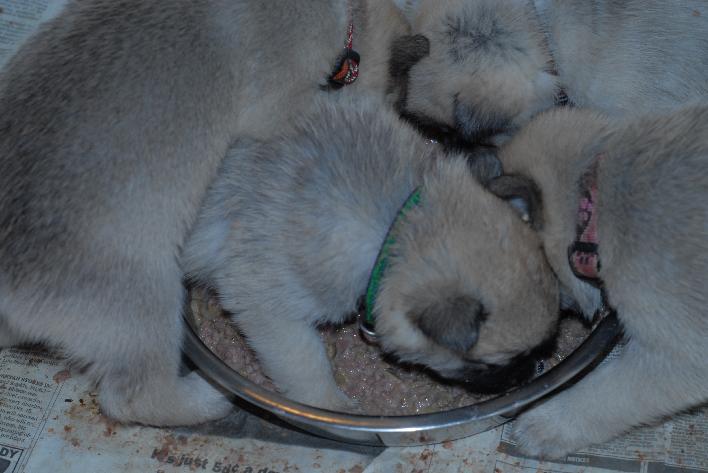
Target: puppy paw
column 348, row 405
column 340, row 402
column 332, row 399
column 163, row 401
column 213, row 404
column 548, row 432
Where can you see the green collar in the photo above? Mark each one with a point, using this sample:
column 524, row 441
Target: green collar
column 372, row 290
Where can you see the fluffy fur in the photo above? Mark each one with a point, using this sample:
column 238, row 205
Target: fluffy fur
column 115, row 118
column 628, row 57
column 290, row 230
column 653, row 244
column 487, row 70
column 498, row 59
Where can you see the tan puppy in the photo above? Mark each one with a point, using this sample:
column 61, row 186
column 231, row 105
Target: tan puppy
column 624, row 205
column 487, row 72
column 290, row 231
column 494, row 64
column 115, row 118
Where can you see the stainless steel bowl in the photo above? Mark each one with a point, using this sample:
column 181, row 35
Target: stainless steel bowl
column 404, row 430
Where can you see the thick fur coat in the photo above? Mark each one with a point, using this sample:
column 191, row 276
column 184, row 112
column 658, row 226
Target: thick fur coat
column 114, row 120
column 291, row 228
column 652, row 234
column 494, row 64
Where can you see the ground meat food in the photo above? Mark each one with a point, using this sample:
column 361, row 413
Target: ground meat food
column 379, row 386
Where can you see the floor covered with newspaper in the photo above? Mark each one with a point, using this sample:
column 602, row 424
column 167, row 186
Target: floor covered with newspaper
column 50, row 421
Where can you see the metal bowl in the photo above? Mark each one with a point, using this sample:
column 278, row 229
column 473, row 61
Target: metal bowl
column 409, row 430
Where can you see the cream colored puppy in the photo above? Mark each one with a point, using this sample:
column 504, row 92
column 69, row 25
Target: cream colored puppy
column 622, row 206
column 494, row 64
column 115, row 119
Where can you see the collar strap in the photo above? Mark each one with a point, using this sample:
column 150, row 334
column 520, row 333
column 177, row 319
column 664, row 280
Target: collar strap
column 346, row 69
column 583, row 254
column 562, row 99
column 372, row 290
column 541, row 7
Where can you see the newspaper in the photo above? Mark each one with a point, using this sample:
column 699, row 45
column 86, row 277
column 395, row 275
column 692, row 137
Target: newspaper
column 50, row 420
column 19, row 19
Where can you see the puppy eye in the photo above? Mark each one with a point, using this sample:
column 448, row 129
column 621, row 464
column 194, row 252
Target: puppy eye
column 522, row 194
column 522, row 207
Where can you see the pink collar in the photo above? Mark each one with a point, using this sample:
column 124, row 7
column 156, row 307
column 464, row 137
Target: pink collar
column 583, row 254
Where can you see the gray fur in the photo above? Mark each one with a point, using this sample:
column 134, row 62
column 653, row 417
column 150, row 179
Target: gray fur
column 492, row 62
column 291, row 228
column 653, row 246
column 629, row 57
column 487, row 70
column 114, row 119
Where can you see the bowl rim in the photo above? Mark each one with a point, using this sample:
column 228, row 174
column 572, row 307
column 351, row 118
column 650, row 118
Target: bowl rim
column 506, row 406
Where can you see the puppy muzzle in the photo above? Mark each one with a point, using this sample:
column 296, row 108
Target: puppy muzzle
column 484, row 378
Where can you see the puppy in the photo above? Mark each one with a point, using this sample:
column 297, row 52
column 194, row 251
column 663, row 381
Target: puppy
column 115, row 118
column 487, row 71
column 290, row 231
column 624, row 207
column 503, row 61
column 628, row 57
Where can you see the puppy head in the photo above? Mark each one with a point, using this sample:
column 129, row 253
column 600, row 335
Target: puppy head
column 544, row 163
column 467, row 291
column 484, row 70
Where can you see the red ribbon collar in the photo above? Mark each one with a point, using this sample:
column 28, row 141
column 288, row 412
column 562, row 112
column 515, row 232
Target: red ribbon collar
column 346, row 70
column 583, row 254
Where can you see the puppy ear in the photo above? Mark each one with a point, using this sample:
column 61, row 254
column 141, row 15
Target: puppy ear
column 452, row 323
column 523, row 194
column 406, row 51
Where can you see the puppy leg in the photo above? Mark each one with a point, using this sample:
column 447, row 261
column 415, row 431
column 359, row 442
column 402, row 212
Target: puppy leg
column 8, row 337
column 639, row 387
column 293, row 355
column 133, row 350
